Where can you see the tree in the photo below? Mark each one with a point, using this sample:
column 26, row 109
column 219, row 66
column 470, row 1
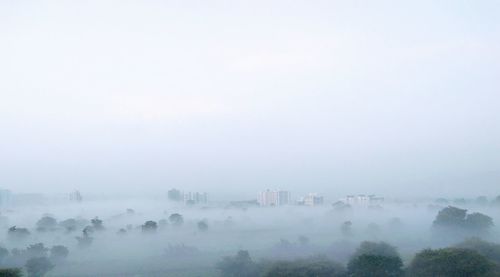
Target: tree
column 36, row 250
column 456, row 219
column 450, row 217
column 202, row 226
column 174, row 195
column 496, row 201
column 487, row 249
column 450, row 262
column 3, row 254
column 442, row 201
column 59, row 253
column 478, row 221
column 149, row 226
column 176, row 219
column 97, row 224
column 38, row 267
column 69, row 224
column 122, row 232
column 17, row 233
column 314, row 266
column 346, row 228
column 303, row 240
column 162, row 223
column 375, row 259
column 46, row 223
column 482, row 200
column 460, row 201
column 376, row 249
column 85, row 240
column 375, row 266
column 10, row 272
column 240, row 265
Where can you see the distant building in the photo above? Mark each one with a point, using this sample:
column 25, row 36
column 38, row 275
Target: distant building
column 174, row 195
column 75, row 196
column 363, row 200
column 243, row 204
column 196, row 198
column 311, row 199
column 5, row 197
column 274, row 198
column 28, row 199
column 284, row 197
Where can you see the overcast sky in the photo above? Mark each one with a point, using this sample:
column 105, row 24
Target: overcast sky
column 396, row 98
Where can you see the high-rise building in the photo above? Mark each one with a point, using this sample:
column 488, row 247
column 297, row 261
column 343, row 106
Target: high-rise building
column 284, row 197
column 311, row 199
column 75, row 196
column 5, row 197
column 274, row 198
column 195, row 198
column 362, row 200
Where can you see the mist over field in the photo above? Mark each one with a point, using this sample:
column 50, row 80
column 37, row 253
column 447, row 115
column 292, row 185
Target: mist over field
column 124, row 246
column 249, row 138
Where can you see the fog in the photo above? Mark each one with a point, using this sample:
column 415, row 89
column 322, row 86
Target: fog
column 107, row 106
column 268, row 233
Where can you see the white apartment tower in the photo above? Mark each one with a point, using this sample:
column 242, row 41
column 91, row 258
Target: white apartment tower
column 274, row 198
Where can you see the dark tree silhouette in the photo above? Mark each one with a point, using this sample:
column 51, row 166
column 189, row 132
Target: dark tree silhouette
column 36, row 250
column 59, row 253
column 377, row 249
column 3, row 254
column 315, row 266
column 46, row 223
column 375, row 266
column 97, row 224
column 202, row 226
column 85, row 240
column 38, row 267
column 496, row 201
column 149, row 226
column 69, row 225
column 11, row 272
column 240, row 265
column 162, row 223
column 303, row 240
column 450, row 262
column 487, row 249
column 17, row 233
column 450, row 217
column 454, row 220
column 176, row 219
column 122, row 232
column 346, row 228
column 376, row 259
column 478, row 221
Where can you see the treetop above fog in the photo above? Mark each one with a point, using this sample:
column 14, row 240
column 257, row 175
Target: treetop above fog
column 458, row 218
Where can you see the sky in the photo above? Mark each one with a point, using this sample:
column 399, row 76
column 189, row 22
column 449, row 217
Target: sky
column 395, row 98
